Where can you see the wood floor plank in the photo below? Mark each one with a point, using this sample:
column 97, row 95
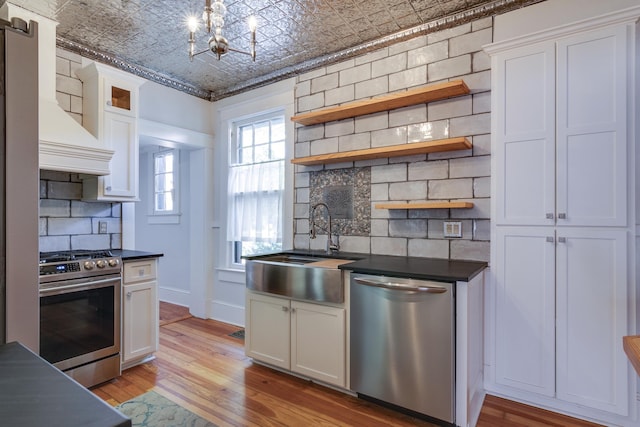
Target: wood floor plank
column 170, row 313
column 202, row 368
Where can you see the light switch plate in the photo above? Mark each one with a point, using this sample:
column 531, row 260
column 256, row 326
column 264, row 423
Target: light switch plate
column 453, row 229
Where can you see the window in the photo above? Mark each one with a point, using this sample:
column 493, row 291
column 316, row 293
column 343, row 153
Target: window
column 256, row 185
column 165, row 197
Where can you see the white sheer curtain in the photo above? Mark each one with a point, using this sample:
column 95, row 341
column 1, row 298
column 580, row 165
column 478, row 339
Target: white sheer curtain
column 255, row 197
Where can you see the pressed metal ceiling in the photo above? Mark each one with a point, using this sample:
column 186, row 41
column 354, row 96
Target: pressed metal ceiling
column 149, row 37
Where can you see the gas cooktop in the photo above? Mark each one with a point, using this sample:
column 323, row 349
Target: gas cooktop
column 77, row 264
column 77, row 254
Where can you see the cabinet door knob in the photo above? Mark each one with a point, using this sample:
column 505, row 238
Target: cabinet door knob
column 109, row 103
column 293, row 310
column 562, row 216
column 129, row 294
column 285, row 309
column 108, row 188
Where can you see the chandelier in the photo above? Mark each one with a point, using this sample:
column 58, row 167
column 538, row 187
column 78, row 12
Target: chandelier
column 213, row 17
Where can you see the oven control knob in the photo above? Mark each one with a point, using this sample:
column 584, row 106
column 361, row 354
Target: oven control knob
column 88, row 265
column 101, row 263
column 114, row 262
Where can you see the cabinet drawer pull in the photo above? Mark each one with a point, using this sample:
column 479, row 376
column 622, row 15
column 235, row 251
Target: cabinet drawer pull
column 550, row 239
column 549, row 216
column 562, row 240
column 562, row 216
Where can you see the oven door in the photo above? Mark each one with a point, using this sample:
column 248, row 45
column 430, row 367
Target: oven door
column 80, row 320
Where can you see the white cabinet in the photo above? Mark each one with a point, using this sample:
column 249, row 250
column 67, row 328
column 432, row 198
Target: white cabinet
column 561, row 142
column 268, row 330
column 120, row 131
column 318, row 342
column 561, row 249
column 561, row 312
column 110, row 106
column 524, row 272
column 591, row 318
column 309, row 339
column 140, row 321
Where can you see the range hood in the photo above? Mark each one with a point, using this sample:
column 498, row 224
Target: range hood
column 64, row 144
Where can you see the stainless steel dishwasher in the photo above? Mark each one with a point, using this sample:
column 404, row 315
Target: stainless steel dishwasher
column 403, row 343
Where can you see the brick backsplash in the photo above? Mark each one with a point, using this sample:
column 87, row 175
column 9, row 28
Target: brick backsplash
column 68, row 85
column 67, row 222
column 455, row 53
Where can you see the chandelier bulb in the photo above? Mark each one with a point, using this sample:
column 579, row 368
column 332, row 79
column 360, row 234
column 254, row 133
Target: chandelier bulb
column 192, row 23
column 253, row 23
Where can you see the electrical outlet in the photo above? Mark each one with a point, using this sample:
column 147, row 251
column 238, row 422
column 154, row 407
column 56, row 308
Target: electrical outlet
column 453, row 229
column 102, row 227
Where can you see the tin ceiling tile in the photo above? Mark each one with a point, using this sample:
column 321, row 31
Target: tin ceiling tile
column 149, row 37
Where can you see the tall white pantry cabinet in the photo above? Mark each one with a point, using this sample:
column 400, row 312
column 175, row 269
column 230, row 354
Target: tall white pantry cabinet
column 563, row 230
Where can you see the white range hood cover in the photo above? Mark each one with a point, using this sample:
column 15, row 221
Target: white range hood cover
column 64, row 144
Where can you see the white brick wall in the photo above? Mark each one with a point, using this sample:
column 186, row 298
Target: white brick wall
column 455, row 53
column 68, row 86
column 66, row 222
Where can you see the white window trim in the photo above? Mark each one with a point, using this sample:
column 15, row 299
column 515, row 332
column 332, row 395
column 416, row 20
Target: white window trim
column 235, row 125
column 165, row 217
column 232, row 110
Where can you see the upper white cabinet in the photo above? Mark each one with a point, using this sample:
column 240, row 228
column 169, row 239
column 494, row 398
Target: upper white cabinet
column 563, row 173
column 110, row 105
column 561, row 131
column 523, row 114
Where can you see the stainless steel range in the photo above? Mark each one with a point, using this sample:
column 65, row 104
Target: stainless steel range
column 80, row 313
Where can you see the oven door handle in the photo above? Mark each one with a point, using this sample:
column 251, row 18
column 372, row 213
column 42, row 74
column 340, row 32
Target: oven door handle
column 85, row 285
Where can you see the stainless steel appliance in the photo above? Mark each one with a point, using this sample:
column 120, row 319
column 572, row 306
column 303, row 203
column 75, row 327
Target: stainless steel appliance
column 403, row 344
column 80, row 313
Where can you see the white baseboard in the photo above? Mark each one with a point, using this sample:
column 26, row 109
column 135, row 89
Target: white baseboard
column 227, row 313
column 174, row 296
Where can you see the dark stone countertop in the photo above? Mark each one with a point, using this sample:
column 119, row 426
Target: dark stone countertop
column 34, row 394
column 128, row 254
column 400, row 266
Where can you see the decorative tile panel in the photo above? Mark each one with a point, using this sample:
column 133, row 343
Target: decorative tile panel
column 347, row 192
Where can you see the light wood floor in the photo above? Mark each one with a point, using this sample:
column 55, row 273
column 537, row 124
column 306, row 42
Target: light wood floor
column 205, row 370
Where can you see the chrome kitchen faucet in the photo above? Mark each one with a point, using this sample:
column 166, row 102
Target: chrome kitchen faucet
column 331, row 247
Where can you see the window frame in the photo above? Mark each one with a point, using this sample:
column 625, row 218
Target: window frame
column 165, row 216
column 235, row 260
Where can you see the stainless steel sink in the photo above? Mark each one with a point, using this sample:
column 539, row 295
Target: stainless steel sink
column 290, row 259
column 301, row 277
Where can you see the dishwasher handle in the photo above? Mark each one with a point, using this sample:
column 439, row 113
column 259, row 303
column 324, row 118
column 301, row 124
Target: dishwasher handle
column 400, row 286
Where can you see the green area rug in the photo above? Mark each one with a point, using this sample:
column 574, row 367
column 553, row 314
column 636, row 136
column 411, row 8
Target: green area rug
column 154, row 410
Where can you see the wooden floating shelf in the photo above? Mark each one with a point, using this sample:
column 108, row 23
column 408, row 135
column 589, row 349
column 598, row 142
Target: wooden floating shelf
column 450, row 144
column 422, row 95
column 425, row 205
